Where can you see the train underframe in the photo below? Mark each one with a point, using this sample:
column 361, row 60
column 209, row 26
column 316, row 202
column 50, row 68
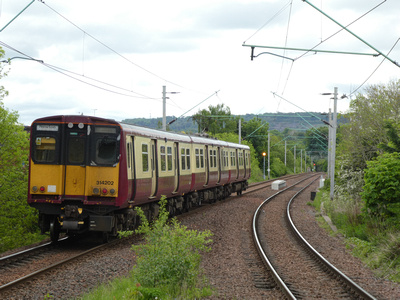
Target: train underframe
column 73, row 219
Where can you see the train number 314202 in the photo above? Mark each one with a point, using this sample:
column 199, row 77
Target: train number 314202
column 105, row 182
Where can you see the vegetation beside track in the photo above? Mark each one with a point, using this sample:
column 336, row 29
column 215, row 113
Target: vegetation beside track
column 18, row 222
column 375, row 240
column 167, row 264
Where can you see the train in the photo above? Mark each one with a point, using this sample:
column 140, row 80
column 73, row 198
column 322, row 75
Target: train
column 88, row 173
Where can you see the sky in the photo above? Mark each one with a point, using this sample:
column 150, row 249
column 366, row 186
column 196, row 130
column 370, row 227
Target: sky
column 112, row 59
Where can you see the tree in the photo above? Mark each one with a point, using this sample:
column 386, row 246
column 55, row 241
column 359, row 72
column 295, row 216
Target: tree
column 215, row 120
column 256, row 132
column 394, row 139
column 17, row 219
column 366, row 129
column 317, row 141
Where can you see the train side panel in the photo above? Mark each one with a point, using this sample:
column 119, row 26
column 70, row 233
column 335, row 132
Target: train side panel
column 167, row 169
column 201, row 176
column 143, row 166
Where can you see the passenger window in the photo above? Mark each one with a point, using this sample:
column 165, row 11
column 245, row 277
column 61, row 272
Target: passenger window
column 201, row 158
column 169, row 155
column 188, row 159
column 197, row 153
column 145, row 157
column 163, row 158
column 215, row 158
column 183, row 160
column 45, row 149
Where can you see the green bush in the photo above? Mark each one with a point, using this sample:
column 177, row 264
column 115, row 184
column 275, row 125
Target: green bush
column 171, row 256
column 382, row 184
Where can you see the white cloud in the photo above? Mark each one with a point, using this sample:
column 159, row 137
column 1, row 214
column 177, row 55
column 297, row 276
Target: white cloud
column 192, row 47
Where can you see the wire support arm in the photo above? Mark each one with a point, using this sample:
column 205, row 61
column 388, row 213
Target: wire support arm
column 302, row 49
column 353, row 34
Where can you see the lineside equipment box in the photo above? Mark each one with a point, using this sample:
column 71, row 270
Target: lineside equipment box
column 278, row 184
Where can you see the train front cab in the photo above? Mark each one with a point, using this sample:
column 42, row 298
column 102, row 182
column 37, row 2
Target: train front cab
column 74, row 174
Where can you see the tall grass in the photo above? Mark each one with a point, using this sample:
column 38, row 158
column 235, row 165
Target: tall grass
column 376, row 241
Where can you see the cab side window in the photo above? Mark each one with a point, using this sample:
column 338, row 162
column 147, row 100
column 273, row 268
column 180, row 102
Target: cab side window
column 44, row 149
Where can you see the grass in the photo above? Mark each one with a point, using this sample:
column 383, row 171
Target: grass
column 375, row 241
column 129, row 288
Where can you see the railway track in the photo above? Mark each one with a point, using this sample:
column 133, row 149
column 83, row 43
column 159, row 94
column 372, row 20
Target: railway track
column 300, row 271
column 28, row 264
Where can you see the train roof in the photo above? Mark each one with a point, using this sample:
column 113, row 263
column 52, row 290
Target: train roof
column 140, row 130
column 179, row 137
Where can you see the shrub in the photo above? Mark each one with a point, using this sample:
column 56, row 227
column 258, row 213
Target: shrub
column 382, row 184
column 170, row 257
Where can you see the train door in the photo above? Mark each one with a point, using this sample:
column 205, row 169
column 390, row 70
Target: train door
column 244, row 163
column 219, row 164
column 154, row 164
column 130, row 166
column 129, row 157
column 237, row 163
column 176, row 167
column 75, row 161
column 206, row 166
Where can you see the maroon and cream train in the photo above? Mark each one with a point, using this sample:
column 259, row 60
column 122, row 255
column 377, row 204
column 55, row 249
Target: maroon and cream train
column 88, row 173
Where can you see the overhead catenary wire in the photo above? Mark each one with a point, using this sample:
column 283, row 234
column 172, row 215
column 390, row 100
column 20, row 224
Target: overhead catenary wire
column 111, row 49
column 275, row 94
column 215, row 93
column 353, row 34
column 75, row 76
column 284, row 51
column 373, row 72
column 340, row 30
column 85, row 34
column 322, row 41
column 65, row 72
column 269, row 20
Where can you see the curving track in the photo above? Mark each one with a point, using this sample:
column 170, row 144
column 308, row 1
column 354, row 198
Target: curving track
column 299, row 271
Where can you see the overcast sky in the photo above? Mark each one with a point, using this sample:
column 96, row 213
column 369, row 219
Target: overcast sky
column 111, row 58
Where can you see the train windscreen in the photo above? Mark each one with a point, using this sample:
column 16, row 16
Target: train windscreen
column 106, row 145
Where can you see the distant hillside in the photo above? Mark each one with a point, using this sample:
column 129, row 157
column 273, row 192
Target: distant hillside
column 277, row 121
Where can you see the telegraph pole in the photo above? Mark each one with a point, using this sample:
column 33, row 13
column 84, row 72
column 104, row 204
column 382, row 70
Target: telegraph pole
column 333, row 142
column 164, row 115
column 240, row 130
column 332, row 131
column 269, row 157
column 329, row 144
column 164, row 98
